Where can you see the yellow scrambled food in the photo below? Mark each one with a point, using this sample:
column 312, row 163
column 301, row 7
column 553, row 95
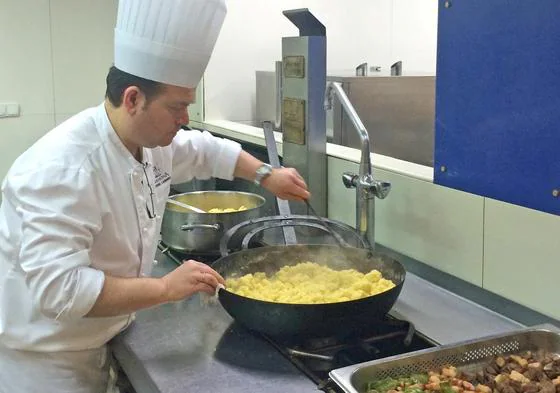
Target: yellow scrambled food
column 226, row 210
column 309, row 283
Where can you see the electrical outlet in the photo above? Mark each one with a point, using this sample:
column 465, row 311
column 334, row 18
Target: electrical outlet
column 13, row 109
column 10, row 109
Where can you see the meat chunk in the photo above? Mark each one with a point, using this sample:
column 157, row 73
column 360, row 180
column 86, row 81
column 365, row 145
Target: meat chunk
column 547, row 387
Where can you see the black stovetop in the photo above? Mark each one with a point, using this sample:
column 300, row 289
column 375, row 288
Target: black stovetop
column 317, row 356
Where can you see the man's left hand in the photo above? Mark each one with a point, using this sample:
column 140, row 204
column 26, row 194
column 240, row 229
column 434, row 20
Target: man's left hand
column 286, row 183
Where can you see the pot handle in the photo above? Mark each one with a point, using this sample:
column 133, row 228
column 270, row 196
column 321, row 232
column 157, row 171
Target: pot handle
column 190, row 227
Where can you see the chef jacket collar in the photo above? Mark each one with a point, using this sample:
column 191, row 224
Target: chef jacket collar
column 107, row 131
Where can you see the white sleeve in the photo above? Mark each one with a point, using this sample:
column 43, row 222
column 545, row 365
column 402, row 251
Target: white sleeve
column 60, row 214
column 202, row 155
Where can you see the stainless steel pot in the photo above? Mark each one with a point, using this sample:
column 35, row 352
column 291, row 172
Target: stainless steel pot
column 186, row 231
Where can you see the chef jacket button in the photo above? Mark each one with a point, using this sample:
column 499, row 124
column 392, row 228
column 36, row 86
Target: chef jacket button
column 145, row 229
column 158, row 216
column 155, row 262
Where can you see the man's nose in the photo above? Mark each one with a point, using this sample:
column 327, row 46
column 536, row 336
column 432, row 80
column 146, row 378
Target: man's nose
column 184, row 119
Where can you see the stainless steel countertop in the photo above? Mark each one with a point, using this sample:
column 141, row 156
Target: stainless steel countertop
column 188, row 346
column 444, row 316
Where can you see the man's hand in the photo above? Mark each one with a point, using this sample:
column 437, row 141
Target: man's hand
column 189, row 278
column 286, row 183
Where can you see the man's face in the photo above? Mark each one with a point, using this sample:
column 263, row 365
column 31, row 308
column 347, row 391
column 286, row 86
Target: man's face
column 156, row 123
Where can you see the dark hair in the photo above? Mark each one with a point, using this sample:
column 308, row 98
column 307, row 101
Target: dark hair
column 118, row 81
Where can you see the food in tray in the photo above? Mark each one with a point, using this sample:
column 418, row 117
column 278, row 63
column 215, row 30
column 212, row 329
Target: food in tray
column 309, row 283
column 227, row 210
column 526, row 373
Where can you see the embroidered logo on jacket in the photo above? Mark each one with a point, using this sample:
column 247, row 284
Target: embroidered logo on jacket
column 161, row 177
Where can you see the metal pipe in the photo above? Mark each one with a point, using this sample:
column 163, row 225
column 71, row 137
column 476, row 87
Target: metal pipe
column 335, row 88
column 396, row 69
column 367, row 188
column 278, row 120
column 362, row 70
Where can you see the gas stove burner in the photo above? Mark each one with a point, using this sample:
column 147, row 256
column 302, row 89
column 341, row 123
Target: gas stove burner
column 317, row 356
column 179, row 256
column 384, row 329
column 205, row 257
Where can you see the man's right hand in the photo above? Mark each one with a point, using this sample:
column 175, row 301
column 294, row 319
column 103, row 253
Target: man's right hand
column 189, row 278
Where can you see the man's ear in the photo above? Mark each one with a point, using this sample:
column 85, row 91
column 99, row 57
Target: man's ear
column 133, row 99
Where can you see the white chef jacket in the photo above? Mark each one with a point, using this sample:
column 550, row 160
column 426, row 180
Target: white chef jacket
column 75, row 205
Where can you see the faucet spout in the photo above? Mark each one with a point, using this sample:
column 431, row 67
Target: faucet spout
column 367, row 188
column 335, row 88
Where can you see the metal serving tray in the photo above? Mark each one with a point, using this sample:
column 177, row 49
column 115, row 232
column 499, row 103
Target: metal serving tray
column 466, row 356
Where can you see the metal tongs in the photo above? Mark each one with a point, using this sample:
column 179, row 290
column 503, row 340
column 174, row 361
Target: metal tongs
column 283, row 206
column 326, row 225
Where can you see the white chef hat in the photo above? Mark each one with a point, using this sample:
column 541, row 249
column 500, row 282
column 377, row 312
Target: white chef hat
column 167, row 41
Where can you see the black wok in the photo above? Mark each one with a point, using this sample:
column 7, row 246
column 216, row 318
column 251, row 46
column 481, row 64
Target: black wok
column 282, row 319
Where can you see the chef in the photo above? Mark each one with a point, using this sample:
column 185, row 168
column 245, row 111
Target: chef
column 82, row 208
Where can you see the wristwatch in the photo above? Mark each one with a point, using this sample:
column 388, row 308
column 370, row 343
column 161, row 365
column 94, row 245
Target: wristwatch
column 262, row 173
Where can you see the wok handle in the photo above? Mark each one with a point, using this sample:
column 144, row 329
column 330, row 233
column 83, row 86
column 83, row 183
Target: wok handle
column 247, row 239
column 190, row 227
column 264, row 221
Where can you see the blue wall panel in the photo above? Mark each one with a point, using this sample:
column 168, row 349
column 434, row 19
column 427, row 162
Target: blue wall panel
column 498, row 100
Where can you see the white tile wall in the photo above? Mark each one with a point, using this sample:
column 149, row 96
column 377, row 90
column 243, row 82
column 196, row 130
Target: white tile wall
column 55, row 56
column 20, row 134
column 341, row 201
column 25, row 75
column 436, row 225
column 522, row 256
column 82, row 34
column 25, row 57
column 433, row 224
column 61, row 117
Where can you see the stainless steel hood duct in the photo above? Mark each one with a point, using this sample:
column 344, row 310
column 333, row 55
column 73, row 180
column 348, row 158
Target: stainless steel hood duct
column 303, row 117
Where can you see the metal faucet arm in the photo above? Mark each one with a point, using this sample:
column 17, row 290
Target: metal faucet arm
column 367, row 188
column 335, row 88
